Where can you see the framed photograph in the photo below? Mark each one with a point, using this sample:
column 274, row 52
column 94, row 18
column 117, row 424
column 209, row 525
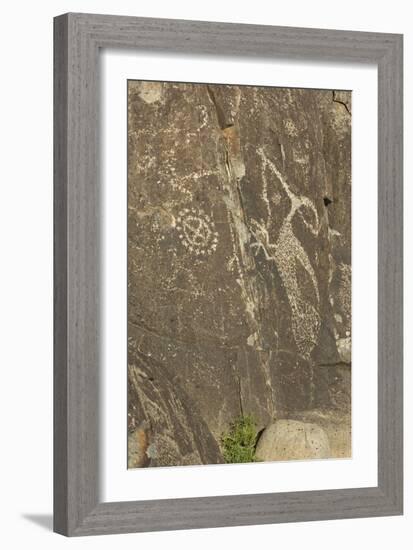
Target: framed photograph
column 228, row 274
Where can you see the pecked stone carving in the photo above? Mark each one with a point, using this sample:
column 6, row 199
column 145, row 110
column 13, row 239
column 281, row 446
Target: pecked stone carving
column 239, row 263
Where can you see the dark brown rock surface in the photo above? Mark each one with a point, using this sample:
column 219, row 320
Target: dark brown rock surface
column 239, row 262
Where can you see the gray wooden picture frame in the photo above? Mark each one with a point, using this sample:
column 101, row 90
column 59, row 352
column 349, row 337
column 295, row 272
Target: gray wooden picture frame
column 77, row 506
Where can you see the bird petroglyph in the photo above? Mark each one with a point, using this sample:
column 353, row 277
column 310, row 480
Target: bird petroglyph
column 286, row 251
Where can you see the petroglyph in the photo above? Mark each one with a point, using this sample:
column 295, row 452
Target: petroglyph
column 203, row 116
column 286, row 251
column 151, row 92
column 344, row 293
column 196, row 231
column 240, row 237
column 239, row 275
column 290, row 128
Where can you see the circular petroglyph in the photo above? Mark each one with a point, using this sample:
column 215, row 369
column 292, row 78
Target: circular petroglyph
column 290, row 128
column 196, row 231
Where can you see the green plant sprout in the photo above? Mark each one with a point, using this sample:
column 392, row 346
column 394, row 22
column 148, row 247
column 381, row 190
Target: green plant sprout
column 238, row 443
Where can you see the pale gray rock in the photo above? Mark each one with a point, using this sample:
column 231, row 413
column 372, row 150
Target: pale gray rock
column 344, row 349
column 292, row 440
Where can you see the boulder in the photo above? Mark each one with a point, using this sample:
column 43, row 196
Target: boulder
column 337, row 425
column 292, row 440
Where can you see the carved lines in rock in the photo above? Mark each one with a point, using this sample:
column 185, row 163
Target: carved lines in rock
column 196, row 231
column 344, row 293
column 286, row 252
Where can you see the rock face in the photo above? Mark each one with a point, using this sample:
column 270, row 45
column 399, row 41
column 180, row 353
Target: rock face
column 173, row 431
column 292, row 440
column 239, row 251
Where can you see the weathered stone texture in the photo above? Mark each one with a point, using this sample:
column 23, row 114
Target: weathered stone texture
column 293, row 440
column 239, row 262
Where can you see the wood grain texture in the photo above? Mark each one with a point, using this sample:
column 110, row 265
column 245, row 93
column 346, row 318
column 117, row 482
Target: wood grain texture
column 78, row 38
column 60, row 486
column 390, row 273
